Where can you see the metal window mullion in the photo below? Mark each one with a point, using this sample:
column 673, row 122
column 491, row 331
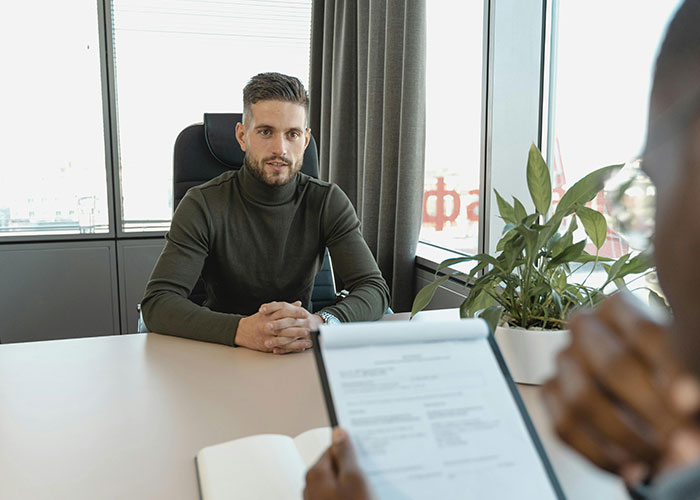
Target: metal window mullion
column 109, row 92
column 551, row 43
column 486, row 128
column 109, row 103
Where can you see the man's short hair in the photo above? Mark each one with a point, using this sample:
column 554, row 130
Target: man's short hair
column 273, row 87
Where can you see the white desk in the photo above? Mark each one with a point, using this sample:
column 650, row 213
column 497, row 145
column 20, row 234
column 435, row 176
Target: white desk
column 123, row 416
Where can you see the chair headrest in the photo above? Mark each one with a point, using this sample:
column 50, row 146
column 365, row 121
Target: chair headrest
column 220, row 134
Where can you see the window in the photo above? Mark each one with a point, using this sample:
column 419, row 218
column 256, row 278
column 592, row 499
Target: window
column 453, row 125
column 176, row 60
column 52, row 156
column 600, row 90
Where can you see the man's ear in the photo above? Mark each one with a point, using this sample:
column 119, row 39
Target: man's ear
column 240, row 135
column 307, row 138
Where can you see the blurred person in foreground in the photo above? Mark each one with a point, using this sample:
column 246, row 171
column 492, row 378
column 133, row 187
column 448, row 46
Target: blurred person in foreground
column 627, row 395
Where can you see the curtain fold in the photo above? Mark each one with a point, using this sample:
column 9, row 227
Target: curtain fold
column 367, row 89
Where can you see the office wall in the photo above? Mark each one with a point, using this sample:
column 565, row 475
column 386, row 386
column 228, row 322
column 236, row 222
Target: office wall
column 136, row 261
column 57, row 291
column 66, row 290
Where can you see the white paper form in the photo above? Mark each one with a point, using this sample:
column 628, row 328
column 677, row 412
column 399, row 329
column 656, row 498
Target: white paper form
column 430, row 412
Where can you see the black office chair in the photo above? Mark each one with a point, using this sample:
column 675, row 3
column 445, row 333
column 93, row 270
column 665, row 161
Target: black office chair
column 206, row 150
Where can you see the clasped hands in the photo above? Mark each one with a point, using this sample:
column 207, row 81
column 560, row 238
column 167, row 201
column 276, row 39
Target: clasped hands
column 278, row 327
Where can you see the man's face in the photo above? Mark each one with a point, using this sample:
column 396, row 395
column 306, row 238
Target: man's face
column 274, row 139
column 672, row 160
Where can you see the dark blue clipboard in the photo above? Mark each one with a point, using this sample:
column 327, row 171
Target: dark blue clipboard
column 328, row 397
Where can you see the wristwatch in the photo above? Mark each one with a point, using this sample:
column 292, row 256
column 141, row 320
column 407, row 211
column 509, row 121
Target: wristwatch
column 328, row 318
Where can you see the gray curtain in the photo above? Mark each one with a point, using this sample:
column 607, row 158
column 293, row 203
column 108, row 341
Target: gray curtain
column 367, row 89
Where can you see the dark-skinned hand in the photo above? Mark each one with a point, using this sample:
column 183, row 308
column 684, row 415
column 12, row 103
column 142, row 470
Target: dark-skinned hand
column 336, row 475
column 620, row 396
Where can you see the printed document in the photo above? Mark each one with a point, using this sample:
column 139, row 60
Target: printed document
column 430, row 411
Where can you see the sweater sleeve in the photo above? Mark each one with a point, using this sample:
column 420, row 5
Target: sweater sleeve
column 681, row 484
column 166, row 307
column 353, row 262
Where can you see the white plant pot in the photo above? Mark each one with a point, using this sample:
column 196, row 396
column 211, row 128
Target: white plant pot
column 531, row 354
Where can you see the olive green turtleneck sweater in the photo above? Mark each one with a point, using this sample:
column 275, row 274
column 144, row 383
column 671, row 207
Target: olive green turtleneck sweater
column 253, row 243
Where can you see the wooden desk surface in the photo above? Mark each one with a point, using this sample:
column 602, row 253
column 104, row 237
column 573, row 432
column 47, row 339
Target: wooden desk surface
column 123, row 416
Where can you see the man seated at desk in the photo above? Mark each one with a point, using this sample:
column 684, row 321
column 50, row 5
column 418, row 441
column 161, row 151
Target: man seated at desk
column 257, row 237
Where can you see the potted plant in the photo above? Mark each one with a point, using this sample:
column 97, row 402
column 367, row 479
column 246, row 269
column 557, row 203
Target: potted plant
column 525, row 291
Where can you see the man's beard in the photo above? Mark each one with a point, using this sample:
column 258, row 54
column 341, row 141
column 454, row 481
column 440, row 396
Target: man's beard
column 257, row 168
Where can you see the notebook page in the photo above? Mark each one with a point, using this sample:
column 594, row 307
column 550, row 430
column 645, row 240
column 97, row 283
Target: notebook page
column 435, row 420
column 242, row 469
column 312, row 443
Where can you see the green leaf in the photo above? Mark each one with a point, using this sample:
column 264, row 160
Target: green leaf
column 561, row 280
column 466, row 310
column 505, row 209
column 424, row 297
column 511, row 251
column 482, row 257
column 550, row 228
column 475, row 270
column 595, row 225
column 556, row 298
column 638, row 264
column 569, row 254
column 530, row 219
column 482, row 301
column 553, row 241
column 451, row 262
column 539, row 181
column 519, row 211
column 585, row 258
column 492, row 315
column 530, row 238
column 507, row 228
column 620, row 284
column 614, row 269
column 506, row 238
column 584, row 190
column 541, row 290
column 567, row 239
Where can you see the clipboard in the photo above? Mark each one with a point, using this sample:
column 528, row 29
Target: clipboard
column 371, row 330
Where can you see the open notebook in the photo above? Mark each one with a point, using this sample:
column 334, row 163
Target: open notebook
column 261, row 467
column 432, row 411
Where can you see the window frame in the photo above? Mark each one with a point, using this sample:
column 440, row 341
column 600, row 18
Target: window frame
column 108, row 81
